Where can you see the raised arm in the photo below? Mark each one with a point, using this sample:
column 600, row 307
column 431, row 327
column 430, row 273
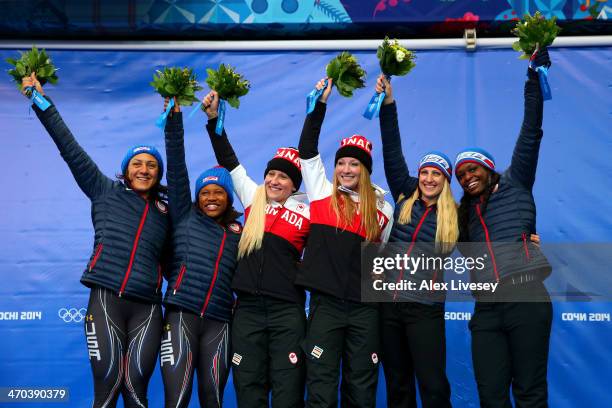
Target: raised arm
column 396, row 170
column 313, row 172
column 525, row 157
column 309, row 139
column 224, row 152
column 84, row 170
column 179, row 193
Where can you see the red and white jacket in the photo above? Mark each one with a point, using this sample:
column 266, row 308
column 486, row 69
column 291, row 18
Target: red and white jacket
column 272, row 269
column 332, row 261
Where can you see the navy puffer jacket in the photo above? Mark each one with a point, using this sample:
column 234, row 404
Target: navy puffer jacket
column 204, row 252
column 420, row 234
column 505, row 224
column 130, row 232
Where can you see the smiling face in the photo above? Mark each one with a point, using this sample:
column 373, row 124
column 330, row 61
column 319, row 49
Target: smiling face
column 347, row 172
column 474, row 178
column 431, row 183
column 142, row 172
column 278, row 186
column 213, row 201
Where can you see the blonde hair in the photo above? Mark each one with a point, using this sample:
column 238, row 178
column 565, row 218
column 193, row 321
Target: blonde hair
column 253, row 232
column 345, row 208
column 447, row 231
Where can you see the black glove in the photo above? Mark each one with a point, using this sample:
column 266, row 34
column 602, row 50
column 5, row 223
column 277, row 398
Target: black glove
column 541, row 58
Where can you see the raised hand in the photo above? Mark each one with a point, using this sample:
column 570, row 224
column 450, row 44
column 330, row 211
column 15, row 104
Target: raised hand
column 540, row 58
column 176, row 108
column 320, row 85
column 384, row 85
column 210, row 104
column 30, row 82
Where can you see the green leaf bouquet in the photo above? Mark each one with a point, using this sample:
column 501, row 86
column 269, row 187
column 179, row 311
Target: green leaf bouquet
column 33, row 61
column 346, row 74
column 229, row 84
column 395, row 59
column 177, row 82
column 534, row 31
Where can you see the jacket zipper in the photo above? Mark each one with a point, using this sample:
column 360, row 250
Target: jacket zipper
column 134, row 248
column 488, row 240
column 525, row 246
column 96, row 256
column 177, row 285
column 215, row 273
column 413, row 241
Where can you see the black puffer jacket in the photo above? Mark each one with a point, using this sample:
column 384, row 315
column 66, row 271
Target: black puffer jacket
column 419, row 234
column 506, row 222
column 204, row 252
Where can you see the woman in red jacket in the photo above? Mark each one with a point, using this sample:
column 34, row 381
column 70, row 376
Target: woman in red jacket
column 345, row 212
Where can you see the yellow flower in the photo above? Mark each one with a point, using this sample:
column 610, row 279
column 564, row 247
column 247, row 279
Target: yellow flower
column 399, row 55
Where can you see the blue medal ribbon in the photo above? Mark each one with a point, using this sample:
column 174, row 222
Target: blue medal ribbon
column 544, row 86
column 542, row 75
column 161, row 120
column 39, row 100
column 197, row 107
column 313, row 97
column 373, row 108
column 220, row 118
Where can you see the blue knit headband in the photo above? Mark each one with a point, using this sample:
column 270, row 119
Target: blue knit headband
column 475, row 155
column 438, row 160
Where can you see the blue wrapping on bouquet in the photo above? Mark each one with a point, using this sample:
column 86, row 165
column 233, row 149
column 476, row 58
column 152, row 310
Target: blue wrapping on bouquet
column 194, row 110
column 313, row 97
column 161, row 120
column 38, row 99
column 542, row 75
column 220, row 118
column 373, row 108
column 544, row 86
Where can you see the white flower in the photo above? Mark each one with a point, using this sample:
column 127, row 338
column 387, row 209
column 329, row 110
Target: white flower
column 399, row 55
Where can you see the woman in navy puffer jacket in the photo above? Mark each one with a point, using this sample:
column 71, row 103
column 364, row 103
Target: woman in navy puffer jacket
column 424, row 221
column 124, row 272
column 511, row 327
column 199, row 298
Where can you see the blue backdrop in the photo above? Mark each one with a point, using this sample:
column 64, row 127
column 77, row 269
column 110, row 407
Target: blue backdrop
column 452, row 99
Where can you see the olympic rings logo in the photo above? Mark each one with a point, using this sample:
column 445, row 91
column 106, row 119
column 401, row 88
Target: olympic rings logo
column 72, row 315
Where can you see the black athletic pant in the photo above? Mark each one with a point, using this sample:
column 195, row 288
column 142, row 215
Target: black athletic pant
column 266, row 337
column 510, row 350
column 123, row 341
column 191, row 343
column 347, row 332
column 413, row 342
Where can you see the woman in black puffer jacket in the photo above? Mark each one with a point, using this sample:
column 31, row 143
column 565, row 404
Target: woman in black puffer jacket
column 199, row 297
column 123, row 322
column 413, row 338
column 511, row 327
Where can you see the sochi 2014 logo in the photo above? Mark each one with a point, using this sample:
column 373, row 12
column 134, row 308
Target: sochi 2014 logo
column 72, row 315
